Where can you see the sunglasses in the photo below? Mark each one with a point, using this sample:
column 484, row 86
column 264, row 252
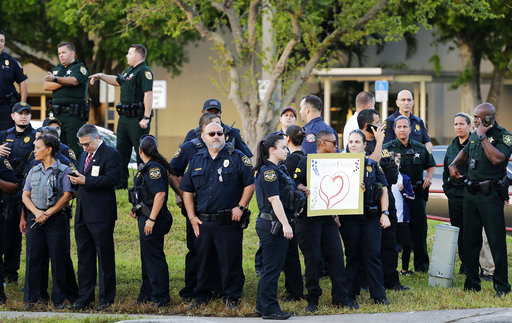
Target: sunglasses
column 218, row 133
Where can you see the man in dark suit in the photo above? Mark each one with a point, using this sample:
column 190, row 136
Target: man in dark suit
column 96, row 213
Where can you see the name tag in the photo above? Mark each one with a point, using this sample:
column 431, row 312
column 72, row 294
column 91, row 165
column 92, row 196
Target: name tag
column 95, row 171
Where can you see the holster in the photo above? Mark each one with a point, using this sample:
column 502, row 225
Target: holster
column 245, row 219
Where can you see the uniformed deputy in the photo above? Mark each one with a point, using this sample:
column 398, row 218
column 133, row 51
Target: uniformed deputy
column 319, row 235
column 10, row 72
column 487, row 154
column 415, row 158
column 223, row 184
column 405, row 102
column 64, row 149
column 68, row 81
column 362, row 233
column 154, row 219
column 275, row 196
column 47, row 191
column 8, row 185
column 135, row 108
column 179, row 163
column 288, row 117
column 311, row 113
column 454, row 188
column 231, row 133
column 17, row 145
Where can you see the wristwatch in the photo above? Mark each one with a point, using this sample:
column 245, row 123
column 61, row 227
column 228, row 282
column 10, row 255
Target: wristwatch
column 55, row 79
column 482, row 137
column 146, row 118
column 385, row 212
column 241, row 207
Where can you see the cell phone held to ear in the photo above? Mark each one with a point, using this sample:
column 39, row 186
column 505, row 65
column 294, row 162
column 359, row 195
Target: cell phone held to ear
column 73, row 174
column 488, row 120
column 370, row 127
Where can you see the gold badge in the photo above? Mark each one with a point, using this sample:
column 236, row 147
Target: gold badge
column 491, row 139
column 369, row 169
column 507, row 140
column 247, row 161
column 26, row 139
column 384, row 125
column 6, row 62
column 23, row 104
column 71, row 154
column 269, row 175
column 83, row 70
column 148, row 75
column 154, row 173
column 177, row 153
column 385, row 153
column 55, row 72
column 417, row 127
column 72, row 166
column 7, row 164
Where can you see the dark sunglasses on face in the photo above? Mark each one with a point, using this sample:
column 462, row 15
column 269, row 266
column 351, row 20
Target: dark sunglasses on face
column 218, row 133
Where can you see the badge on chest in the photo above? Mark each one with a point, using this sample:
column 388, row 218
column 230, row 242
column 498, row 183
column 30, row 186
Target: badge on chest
column 95, row 170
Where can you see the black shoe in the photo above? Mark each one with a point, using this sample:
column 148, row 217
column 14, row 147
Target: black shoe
column 381, row 301
column 257, row 312
column 352, row 305
column 160, row 304
column 60, row 306
column 80, row 306
column 500, row 294
column 29, row 306
column 103, row 306
column 486, row 278
column 232, row 304
column 406, row 273
column 277, row 316
column 312, row 307
column 399, row 288
column 194, row 305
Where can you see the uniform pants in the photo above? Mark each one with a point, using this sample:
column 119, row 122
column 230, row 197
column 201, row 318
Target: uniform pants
column 95, row 241
column 69, row 129
column 293, row 283
column 155, row 273
column 43, row 241
column 12, row 240
column 455, row 205
column 418, row 229
column 389, row 253
column 2, row 233
column 404, row 239
column 485, row 211
column 362, row 236
column 316, row 235
column 273, row 250
column 225, row 242
column 128, row 135
column 6, row 121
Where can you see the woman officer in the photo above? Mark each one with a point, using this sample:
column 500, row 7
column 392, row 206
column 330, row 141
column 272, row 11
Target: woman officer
column 273, row 186
column 362, row 233
column 154, row 220
column 47, row 191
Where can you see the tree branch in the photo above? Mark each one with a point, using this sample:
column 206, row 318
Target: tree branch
column 42, row 63
column 234, row 22
column 251, row 23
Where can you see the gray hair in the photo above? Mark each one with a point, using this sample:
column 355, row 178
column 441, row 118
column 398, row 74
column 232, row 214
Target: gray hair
column 88, row 130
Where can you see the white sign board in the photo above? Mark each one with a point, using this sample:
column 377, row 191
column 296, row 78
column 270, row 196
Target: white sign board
column 107, row 92
column 159, row 94
column 381, row 91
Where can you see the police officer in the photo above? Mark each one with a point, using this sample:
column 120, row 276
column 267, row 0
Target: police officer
column 319, row 234
column 135, row 108
column 68, row 81
column 288, row 117
column 223, row 184
column 179, row 163
column 17, row 145
column 10, row 72
column 64, row 149
column 362, row 233
column 405, row 102
column 273, row 188
column 415, row 158
column 311, row 113
column 231, row 134
column 154, row 219
column 8, row 185
column 47, row 191
column 487, row 154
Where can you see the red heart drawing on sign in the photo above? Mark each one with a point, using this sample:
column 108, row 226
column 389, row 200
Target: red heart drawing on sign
column 331, row 189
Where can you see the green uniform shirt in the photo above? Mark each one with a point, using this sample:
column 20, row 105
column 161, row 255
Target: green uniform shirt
column 484, row 170
column 454, row 187
column 134, row 82
column 414, row 158
column 71, row 94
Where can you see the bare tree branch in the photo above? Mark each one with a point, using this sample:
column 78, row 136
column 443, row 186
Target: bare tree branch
column 41, row 62
column 234, row 22
column 251, row 23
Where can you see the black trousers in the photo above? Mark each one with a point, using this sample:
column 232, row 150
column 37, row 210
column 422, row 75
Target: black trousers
column 389, row 253
column 293, row 283
column 223, row 242
column 2, row 233
column 455, row 209
column 155, row 273
column 273, row 251
column 95, row 242
column 362, row 236
column 12, row 240
column 404, row 239
column 317, row 235
column 6, row 121
column 43, row 241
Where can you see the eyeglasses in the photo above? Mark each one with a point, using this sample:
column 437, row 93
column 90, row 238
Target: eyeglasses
column 219, row 171
column 218, row 133
column 331, row 141
column 85, row 144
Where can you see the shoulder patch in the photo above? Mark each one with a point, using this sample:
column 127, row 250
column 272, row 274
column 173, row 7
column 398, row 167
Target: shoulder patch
column 177, row 153
column 154, row 173
column 71, row 154
column 148, row 75
column 369, row 169
column 247, row 161
column 83, row 70
column 417, row 127
column 310, row 137
column 7, row 164
column 269, row 175
column 507, row 140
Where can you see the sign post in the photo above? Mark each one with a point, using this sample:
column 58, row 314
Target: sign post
column 159, row 99
column 381, row 95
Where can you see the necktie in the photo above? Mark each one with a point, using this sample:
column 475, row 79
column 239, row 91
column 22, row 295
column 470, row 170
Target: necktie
column 87, row 161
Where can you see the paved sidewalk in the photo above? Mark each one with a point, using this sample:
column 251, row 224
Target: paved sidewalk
column 463, row 316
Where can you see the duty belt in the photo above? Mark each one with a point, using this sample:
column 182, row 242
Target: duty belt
column 266, row 216
column 212, row 217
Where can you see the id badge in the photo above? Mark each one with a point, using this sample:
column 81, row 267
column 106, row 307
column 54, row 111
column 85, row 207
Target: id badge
column 95, row 170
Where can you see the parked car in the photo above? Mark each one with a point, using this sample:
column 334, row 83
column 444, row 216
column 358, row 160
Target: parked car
column 437, row 205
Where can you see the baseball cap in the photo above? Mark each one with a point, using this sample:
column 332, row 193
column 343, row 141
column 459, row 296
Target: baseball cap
column 289, row 108
column 51, row 119
column 20, row 106
column 211, row 104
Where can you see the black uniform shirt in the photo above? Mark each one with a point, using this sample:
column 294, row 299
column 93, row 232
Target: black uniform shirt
column 232, row 135
column 273, row 180
column 21, row 145
column 152, row 178
column 10, row 72
column 184, row 155
column 414, row 158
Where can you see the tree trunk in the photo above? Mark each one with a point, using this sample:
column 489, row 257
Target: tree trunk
column 498, row 75
column 470, row 90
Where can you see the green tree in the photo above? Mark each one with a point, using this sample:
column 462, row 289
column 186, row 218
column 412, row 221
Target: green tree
column 34, row 28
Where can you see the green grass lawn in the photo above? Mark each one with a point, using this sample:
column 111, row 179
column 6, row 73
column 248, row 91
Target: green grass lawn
column 421, row 297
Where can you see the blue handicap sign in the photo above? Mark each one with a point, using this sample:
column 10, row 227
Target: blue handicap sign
column 381, row 86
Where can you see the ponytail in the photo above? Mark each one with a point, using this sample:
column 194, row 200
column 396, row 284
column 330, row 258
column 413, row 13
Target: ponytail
column 149, row 147
column 263, row 150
